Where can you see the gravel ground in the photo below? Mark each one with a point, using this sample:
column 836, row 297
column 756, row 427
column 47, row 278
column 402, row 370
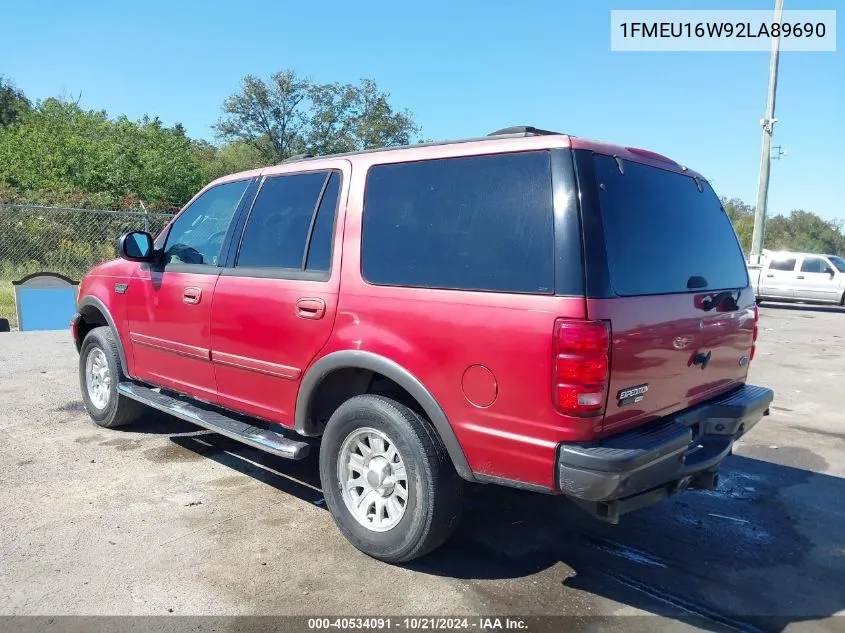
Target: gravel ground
column 166, row 518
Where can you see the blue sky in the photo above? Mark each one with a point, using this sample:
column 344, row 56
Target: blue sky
column 463, row 67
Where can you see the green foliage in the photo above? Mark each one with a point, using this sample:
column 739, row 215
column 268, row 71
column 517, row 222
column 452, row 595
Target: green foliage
column 742, row 217
column 805, row 231
column 57, row 153
column 59, row 147
column 800, row 231
column 289, row 115
column 13, row 102
column 228, row 159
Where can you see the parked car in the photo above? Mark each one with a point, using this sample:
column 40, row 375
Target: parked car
column 807, row 277
column 528, row 309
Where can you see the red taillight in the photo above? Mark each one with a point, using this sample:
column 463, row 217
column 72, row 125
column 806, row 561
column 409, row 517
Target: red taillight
column 580, row 366
column 754, row 334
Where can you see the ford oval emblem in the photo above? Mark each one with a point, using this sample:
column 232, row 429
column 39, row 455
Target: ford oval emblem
column 743, row 361
column 681, row 342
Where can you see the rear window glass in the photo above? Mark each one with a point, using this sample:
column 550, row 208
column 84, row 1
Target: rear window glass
column 477, row 223
column 661, row 232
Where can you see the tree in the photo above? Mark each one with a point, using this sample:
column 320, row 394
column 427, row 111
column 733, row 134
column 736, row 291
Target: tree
column 60, row 147
column 805, row 231
column 267, row 115
column 799, row 231
column 228, row 159
column 347, row 118
column 742, row 217
column 290, row 115
column 13, row 102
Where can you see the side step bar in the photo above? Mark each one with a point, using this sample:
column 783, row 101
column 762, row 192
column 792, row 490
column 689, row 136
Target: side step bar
column 254, row 436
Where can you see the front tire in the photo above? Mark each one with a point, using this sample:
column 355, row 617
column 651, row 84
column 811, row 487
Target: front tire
column 387, row 479
column 99, row 372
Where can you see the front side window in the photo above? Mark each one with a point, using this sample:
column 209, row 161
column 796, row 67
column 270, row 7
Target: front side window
column 474, row 223
column 813, row 265
column 783, row 264
column 838, row 263
column 283, row 217
column 197, row 235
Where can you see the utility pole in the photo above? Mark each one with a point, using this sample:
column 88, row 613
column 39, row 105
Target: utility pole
column 768, row 124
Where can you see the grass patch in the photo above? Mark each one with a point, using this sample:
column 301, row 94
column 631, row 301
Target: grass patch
column 7, row 302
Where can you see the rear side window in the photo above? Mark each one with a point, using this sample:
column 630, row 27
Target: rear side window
column 661, row 232
column 320, row 247
column 813, row 265
column 282, row 219
column 476, row 223
column 783, row 264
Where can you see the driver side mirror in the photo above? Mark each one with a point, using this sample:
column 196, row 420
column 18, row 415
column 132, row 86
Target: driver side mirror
column 829, row 271
column 135, row 246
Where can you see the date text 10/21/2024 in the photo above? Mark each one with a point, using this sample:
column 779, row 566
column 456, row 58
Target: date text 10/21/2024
column 419, row 623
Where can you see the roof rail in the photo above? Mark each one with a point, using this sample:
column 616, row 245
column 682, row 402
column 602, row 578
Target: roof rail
column 524, row 130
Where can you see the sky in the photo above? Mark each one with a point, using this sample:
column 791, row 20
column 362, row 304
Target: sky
column 463, row 68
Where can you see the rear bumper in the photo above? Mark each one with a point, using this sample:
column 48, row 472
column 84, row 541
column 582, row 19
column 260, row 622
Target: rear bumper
column 642, row 466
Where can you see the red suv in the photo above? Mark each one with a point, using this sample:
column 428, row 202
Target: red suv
column 528, row 309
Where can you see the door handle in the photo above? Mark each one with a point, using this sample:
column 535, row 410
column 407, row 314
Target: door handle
column 191, row 295
column 310, row 308
column 800, row 277
column 770, row 275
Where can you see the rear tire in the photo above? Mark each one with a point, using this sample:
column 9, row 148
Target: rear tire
column 99, row 372
column 387, row 479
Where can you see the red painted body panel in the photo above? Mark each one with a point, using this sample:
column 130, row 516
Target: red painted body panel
column 654, row 340
column 171, row 339
column 256, row 319
column 99, row 283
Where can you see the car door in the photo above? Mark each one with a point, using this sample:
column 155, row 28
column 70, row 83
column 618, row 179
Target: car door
column 169, row 303
column 816, row 280
column 778, row 277
column 275, row 301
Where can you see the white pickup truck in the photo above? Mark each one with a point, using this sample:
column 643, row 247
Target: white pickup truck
column 808, row 277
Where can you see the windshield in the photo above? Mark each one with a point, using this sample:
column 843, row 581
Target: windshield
column 838, row 262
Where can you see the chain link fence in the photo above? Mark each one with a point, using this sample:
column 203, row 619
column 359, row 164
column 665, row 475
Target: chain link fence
column 60, row 240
